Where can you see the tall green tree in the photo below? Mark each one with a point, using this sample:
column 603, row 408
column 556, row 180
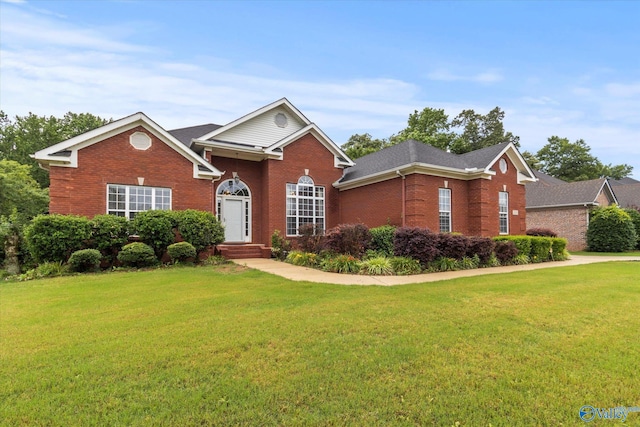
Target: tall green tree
column 573, row 161
column 23, row 136
column 430, row 126
column 360, row 145
column 479, row 131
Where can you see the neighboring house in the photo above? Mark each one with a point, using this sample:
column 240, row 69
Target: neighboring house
column 273, row 169
column 564, row 207
column 627, row 191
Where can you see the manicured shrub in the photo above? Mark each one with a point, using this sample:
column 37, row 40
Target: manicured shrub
column 403, row 266
column 611, row 230
column 108, row 234
column 382, row 239
column 543, row 232
column 303, row 259
column 452, row 245
column 540, row 249
column 482, row 247
column 416, row 243
column 635, row 218
column 137, row 254
column 505, row 251
column 378, row 266
column 311, row 238
column 523, row 243
column 85, row 260
column 201, row 229
column 341, row 264
column 558, row 248
column 155, row 228
column 182, row 252
column 348, row 239
column 55, row 237
column 280, row 247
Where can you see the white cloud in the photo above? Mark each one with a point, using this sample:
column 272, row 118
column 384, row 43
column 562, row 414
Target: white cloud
column 623, row 90
column 443, row 74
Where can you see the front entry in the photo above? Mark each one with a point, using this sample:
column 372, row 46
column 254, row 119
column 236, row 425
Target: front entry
column 234, row 210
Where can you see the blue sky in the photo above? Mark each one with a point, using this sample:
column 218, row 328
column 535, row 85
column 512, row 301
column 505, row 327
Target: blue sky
column 570, row 69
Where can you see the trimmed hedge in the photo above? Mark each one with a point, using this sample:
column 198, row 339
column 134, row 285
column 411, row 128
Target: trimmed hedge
column 540, row 249
column 523, row 243
column 109, row 233
column 182, row 252
column 635, row 218
column 482, row 247
column 200, row 228
column 137, row 254
column 155, row 229
column 505, row 251
column 52, row 238
column 85, row 260
column 611, row 229
column 453, row 245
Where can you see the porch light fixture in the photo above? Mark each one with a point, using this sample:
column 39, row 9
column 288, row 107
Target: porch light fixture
column 236, row 178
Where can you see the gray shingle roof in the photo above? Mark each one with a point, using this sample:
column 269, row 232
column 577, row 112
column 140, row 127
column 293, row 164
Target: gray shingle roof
column 412, row 151
column 541, row 194
column 545, row 179
column 624, row 181
column 628, row 195
column 185, row 135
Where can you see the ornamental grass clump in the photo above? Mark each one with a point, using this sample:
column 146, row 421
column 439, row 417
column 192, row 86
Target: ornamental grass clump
column 378, row 266
column 302, row 259
column 341, row 264
column 404, row 266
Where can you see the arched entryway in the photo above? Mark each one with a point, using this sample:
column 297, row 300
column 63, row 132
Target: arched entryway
column 233, row 201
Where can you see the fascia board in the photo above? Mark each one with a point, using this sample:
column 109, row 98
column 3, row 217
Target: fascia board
column 606, row 185
column 281, row 102
column 516, row 158
column 565, row 205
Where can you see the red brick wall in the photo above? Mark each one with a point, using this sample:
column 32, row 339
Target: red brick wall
column 83, row 190
column 474, row 204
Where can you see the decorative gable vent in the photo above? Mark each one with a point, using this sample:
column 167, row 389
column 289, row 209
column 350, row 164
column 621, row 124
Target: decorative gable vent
column 281, row 120
column 140, row 141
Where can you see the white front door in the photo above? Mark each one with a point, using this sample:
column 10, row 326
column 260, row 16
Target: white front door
column 233, row 221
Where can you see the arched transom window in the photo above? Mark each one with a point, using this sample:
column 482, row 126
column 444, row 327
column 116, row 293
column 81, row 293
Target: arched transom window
column 232, row 187
column 305, row 205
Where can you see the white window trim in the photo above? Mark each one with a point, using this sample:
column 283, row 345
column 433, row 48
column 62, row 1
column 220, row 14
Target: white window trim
column 305, row 181
column 440, row 211
column 503, row 213
column 128, row 211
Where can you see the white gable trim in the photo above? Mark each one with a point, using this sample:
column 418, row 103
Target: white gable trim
column 281, row 102
column 340, row 158
column 525, row 174
column 47, row 157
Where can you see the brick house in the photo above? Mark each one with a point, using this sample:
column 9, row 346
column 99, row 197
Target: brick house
column 564, row 207
column 273, row 169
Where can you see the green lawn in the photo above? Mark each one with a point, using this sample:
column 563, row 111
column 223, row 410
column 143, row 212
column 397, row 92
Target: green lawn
column 218, row 346
column 629, row 253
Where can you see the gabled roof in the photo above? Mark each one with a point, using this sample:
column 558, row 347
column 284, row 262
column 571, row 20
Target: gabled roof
column 416, row 157
column 256, row 136
column 628, row 195
column 186, row 135
column 65, row 153
column 624, row 181
column 579, row 193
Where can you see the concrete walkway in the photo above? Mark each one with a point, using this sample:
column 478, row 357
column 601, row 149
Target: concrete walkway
column 296, row 273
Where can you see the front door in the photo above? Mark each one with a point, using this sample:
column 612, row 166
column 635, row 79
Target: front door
column 233, row 221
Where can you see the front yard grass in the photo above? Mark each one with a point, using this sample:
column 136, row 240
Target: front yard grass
column 221, row 346
column 621, row 254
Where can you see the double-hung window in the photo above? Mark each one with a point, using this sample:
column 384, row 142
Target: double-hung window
column 305, row 205
column 444, row 202
column 503, row 202
column 128, row 200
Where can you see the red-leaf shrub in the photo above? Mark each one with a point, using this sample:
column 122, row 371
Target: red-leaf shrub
column 350, row 239
column 453, row 245
column 481, row 246
column 416, row 243
column 505, row 251
column 544, row 232
column 311, row 238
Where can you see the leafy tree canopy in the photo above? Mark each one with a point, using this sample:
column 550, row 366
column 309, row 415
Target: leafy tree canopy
column 573, row 161
column 468, row 131
column 23, row 136
column 20, row 194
